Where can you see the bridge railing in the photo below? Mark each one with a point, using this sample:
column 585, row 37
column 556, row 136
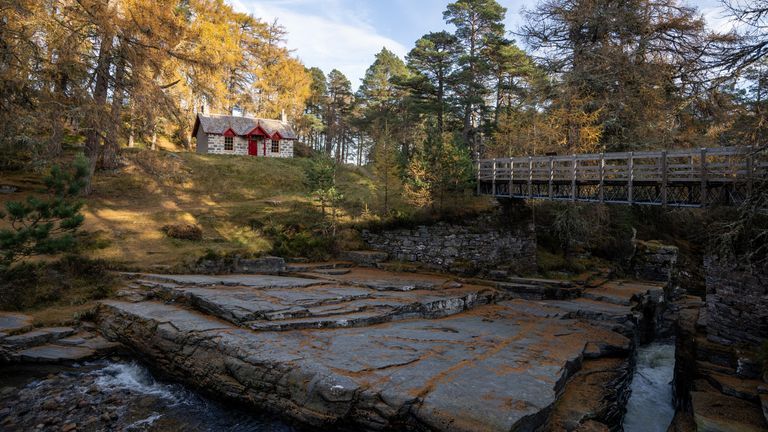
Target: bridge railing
column 654, row 175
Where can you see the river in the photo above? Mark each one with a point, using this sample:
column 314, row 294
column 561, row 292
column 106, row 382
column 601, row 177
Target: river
column 114, row 395
column 650, row 407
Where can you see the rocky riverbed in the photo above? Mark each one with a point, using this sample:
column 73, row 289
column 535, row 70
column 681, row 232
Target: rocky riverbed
column 115, row 395
column 373, row 350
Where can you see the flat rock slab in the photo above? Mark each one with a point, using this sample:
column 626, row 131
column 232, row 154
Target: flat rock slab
column 716, row 412
column 37, row 337
column 55, row 353
column 11, row 322
column 255, row 281
column 538, row 291
column 494, row 368
column 181, row 320
column 324, row 306
column 391, row 281
column 621, row 292
column 590, row 309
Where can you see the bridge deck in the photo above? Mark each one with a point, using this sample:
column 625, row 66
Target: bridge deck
column 689, row 177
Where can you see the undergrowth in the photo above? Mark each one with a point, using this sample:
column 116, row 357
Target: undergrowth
column 70, row 281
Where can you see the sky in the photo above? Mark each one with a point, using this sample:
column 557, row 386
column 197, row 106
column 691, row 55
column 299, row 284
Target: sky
column 347, row 34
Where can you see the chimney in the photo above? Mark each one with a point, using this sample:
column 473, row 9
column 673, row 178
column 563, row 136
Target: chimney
column 283, row 116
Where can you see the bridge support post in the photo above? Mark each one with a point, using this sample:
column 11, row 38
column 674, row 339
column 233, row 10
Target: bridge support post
column 511, row 177
column 573, row 178
column 664, row 179
column 551, row 177
column 601, row 186
column 478, row 177
column 493, row 178
column 530, row 177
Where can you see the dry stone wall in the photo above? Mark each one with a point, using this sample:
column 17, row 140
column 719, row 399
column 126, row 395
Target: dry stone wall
column 737, row 302
column 472, row 248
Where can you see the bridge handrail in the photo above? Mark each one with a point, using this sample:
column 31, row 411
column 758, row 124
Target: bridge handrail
column 644, row 162
column 698, row 168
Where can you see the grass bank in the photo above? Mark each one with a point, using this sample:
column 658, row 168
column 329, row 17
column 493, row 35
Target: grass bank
column 244, row 205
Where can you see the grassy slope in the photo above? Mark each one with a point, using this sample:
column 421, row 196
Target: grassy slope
column 240, row 202
column 226, row 195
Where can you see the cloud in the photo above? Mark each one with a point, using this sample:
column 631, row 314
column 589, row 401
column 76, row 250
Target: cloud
column 331, row 35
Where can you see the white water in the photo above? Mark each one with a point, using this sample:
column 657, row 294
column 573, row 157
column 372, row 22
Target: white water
column 174, row 407
column 650, row 407
column 134, row 377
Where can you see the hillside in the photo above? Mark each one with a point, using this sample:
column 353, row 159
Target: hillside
column 235, row 200
column 243, row 205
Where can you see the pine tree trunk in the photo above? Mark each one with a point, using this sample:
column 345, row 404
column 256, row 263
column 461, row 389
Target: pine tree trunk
column 57, row 126
column 130, row 130
column 112, row 147
column 93, row 137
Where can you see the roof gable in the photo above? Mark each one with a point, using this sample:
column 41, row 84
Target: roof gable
column 258, row 130
column 243, row 126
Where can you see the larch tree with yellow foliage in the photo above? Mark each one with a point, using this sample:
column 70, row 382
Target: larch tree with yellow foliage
column 121, row 71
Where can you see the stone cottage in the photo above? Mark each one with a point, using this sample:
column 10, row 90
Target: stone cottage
column 237, row 135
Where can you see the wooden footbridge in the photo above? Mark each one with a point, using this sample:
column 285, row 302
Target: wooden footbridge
column 681, row 178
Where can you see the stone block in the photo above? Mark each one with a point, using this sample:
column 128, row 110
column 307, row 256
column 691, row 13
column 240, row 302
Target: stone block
column 366, row 258
column 261, row 265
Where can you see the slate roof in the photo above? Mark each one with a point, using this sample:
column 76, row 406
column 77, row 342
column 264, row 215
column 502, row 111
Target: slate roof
column 218, row 124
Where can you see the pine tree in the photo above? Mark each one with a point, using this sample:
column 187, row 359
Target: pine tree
column 44, row 226
column 479, row 25
column 385, row 166
column 340, row 104
column 433, row 61
column 441, row 168
column 321, row 177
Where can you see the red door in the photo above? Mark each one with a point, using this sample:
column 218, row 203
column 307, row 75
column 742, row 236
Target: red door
column 253, row 147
